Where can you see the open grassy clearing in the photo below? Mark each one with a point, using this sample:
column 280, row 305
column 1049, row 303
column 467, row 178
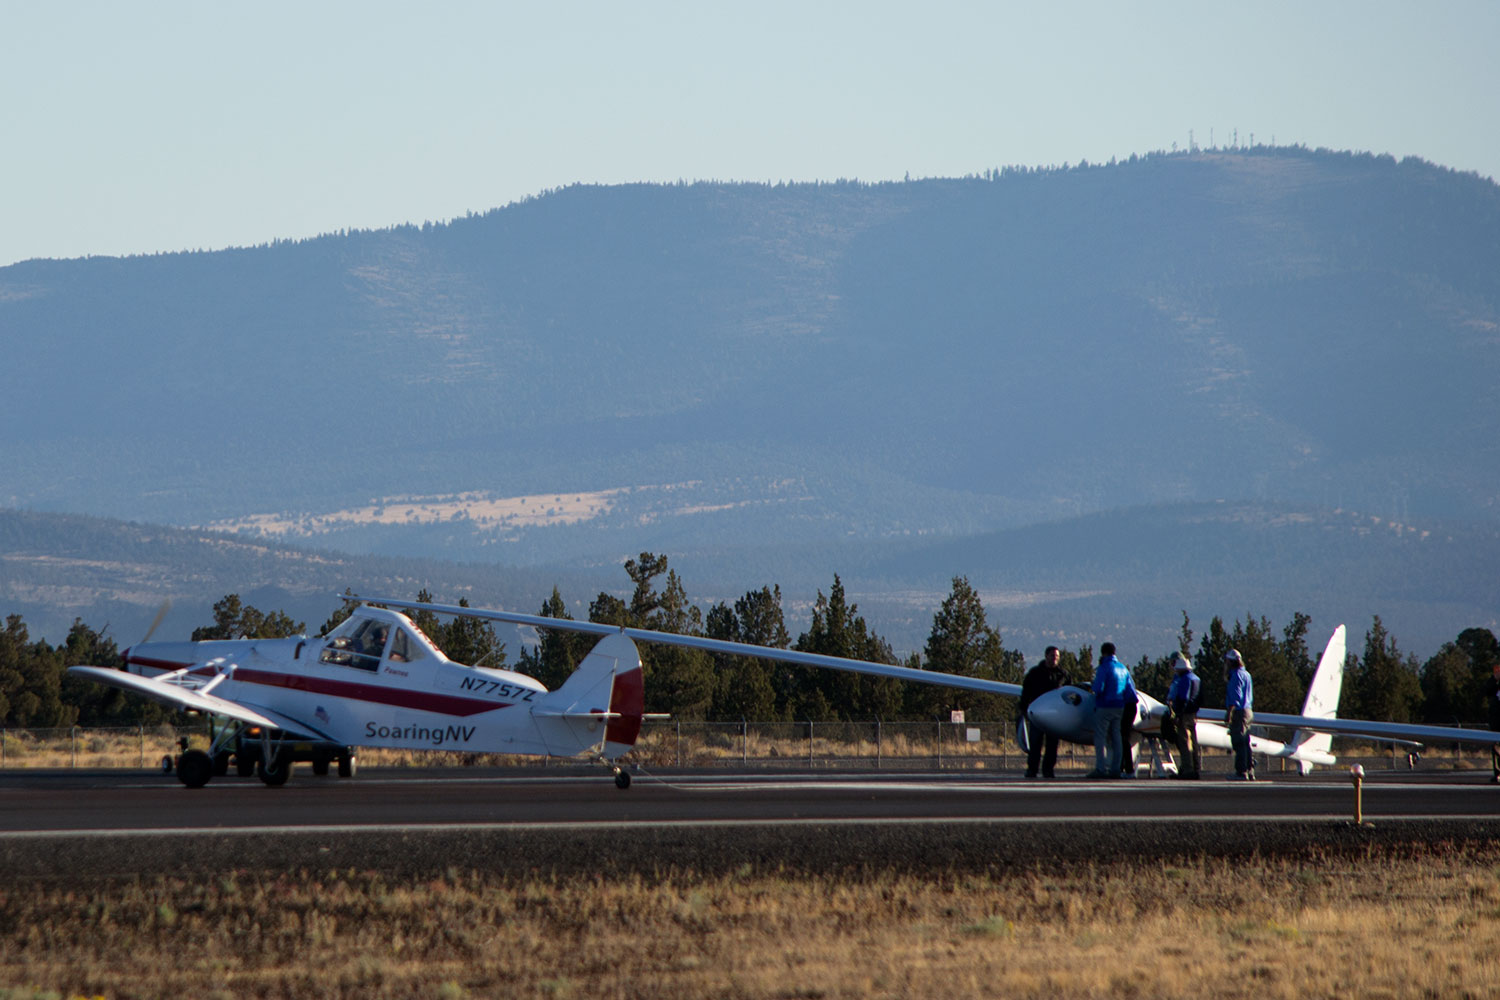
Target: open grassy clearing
column 1418, row 921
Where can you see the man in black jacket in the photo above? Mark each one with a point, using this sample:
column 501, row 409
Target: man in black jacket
column 1045, row 676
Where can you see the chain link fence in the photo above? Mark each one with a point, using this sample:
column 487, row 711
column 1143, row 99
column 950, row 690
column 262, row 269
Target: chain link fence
column 872, row 745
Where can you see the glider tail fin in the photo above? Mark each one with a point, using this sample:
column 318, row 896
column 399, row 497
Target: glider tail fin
column 1322, row 700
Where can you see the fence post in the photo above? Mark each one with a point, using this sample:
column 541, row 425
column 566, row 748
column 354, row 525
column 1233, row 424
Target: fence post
column 142, row 728
column 744, row 741
column 809, row 743
column 878, row 744
column 679, row 742
column 939, row 746
column 73, row 738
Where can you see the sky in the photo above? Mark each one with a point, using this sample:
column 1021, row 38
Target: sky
column 131, row 128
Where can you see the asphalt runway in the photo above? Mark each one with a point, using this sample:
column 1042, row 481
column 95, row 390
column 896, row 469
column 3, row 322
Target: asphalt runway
column 114, row 801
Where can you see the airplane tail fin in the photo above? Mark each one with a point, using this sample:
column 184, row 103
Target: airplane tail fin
column 1322, row 700
column 608, row 689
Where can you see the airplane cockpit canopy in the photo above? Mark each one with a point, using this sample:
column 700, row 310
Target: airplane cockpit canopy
column 371, row 635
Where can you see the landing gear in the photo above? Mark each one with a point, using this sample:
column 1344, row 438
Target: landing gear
column 194, row 768
column 622, row 778
column 277, row 771
column 346, row 765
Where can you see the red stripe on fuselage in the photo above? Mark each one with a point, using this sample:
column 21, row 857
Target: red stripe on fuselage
column 420, row 701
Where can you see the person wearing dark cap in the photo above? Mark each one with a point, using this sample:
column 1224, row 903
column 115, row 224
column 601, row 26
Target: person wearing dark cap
column 1182, row 698
column 1046, row 676
column 1239, row 697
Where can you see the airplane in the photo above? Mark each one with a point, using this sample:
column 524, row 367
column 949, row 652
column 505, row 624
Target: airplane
column 377, row 681
column 1068, row 713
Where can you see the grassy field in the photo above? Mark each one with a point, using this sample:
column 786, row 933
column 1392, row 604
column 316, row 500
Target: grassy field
column 1422, row 921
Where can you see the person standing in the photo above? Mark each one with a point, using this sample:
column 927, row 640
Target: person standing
column 1492, row 698
column 1182, row 698
column 1112, row 681
column 1048, row 675
column 1239, row 697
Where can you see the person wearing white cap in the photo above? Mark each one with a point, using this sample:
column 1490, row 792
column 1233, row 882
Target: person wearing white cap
column 1239, row 697
column 1182, row 698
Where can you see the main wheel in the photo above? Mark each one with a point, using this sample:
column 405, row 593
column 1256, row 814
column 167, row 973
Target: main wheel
column 622, row 780
column 221, row 763
column 320, row 765
column 277, row 771
column 244, row 763
column 346, row 766
column 194, row 768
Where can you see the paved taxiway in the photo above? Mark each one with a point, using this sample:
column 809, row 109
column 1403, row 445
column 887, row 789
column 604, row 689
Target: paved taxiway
column 122, row 800
column 87, row 825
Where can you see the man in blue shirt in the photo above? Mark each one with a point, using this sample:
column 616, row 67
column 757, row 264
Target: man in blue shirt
column 1112, row 681
column 1182, row 698
column 1239, row 696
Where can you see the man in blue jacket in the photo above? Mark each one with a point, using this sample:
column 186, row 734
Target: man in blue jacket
column 1239, row 697
column 1112, row 682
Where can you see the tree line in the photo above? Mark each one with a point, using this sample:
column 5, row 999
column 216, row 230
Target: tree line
column 1380, row 683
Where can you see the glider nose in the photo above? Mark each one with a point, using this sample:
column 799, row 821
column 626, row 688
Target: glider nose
column 1063, row 713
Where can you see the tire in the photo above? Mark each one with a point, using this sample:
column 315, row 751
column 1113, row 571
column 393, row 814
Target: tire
column 276, row 773
column 346, row 766
column 244, row 764
column 194, row 768
column 320, row 766
column 622, row 780
column 221, row 764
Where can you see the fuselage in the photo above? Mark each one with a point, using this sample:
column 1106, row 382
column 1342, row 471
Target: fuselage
column 1068, row 714
column 374, row 681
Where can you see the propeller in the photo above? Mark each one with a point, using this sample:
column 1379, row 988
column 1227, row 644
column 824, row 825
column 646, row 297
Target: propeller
column 161, row 613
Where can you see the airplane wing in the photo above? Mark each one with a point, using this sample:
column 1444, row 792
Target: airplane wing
column 1398, row 731
column 179, row 696
column 723, row 646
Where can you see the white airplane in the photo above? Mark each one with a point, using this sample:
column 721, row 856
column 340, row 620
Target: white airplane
column 378, row 681
column 1068, row 713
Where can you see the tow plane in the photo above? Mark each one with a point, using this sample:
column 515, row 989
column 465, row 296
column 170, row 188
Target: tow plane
column 377, row 681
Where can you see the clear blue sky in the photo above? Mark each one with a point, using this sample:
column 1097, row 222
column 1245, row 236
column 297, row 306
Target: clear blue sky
column 160, row 126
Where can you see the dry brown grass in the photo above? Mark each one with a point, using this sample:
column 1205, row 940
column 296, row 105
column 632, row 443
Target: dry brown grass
column 1266, row 930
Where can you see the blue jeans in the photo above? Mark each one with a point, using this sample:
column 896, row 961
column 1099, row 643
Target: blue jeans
column 1107, row 749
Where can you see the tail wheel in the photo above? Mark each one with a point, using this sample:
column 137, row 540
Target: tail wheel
column 622, row 779
column 194, row 768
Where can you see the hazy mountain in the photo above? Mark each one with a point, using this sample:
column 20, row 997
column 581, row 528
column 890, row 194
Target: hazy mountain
column 768, row 375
